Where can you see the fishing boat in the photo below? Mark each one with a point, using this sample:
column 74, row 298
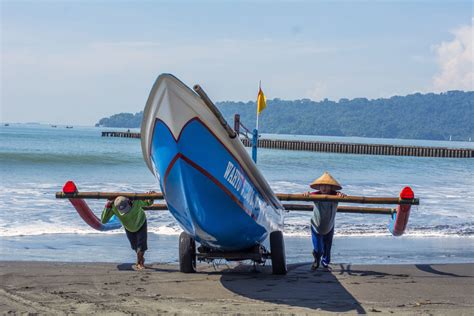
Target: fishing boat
column 210, row 183
column 212, row 186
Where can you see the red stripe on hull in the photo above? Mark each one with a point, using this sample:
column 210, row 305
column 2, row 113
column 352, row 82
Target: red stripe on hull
column 208, row 175
column 217, row 138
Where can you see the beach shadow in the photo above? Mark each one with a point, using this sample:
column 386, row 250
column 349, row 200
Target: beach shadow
column 429, row 269
column 319, row 290
column 149, row 268
column 347, row 269
column 125, row 267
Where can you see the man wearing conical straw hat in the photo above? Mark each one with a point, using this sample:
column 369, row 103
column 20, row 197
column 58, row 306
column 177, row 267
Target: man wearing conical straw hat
column 322, row 221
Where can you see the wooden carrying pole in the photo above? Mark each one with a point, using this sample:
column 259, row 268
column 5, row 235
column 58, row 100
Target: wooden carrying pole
column 109, row 195
column 156, row 207
column 305, row 208
column 347, row 199
column 342, row 209
column 282, row 197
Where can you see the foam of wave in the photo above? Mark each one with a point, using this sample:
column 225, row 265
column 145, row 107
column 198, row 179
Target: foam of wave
column 381, row 233
column 36, row 229
column 287, row 186
column 164, row 224
column 166, row 230
column 53, row 229
column 44, row 228
column 46, row 215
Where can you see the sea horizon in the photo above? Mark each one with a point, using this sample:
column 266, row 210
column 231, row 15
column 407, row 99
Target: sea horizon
column 310, row 137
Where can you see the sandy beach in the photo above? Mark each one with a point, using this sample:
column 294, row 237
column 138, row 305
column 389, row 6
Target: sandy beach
column 63, row 288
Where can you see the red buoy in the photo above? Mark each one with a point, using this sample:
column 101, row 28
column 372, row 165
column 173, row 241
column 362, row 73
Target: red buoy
column 69, row 187
column 85, row 212
column 399, row 219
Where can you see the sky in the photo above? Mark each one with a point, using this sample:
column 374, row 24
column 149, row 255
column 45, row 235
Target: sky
column 74, row 62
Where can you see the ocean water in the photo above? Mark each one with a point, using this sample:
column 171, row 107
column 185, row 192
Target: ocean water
column 36, row 160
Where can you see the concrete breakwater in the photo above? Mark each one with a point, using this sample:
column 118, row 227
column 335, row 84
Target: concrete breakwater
column 120, row 134
column 364, row 149
column 343, row 148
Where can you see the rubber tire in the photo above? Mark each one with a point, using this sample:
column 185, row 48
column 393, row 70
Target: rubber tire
column 277, row 249
column 187, row 253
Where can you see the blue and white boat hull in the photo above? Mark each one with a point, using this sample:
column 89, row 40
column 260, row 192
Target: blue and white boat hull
column 210, row 183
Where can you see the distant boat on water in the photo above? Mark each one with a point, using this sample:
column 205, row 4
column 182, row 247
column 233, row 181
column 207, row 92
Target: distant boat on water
column 54, row 126
column 67, row 126
column 6, row 124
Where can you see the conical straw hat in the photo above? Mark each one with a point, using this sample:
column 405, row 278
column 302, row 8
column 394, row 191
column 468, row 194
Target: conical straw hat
column 326, row 178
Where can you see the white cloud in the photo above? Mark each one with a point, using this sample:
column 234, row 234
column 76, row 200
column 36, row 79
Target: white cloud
column 456, row 61
column 318, row 91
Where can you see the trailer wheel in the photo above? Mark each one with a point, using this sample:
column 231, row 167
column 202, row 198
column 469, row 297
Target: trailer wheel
column 187, row 253
column 277, row 248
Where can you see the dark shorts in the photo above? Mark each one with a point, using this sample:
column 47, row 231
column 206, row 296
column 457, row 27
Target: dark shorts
column 138, row 239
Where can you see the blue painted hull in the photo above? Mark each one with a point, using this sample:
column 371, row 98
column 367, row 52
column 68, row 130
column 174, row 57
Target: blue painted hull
column 207, row 187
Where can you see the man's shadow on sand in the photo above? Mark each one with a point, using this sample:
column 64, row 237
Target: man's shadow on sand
column 300, row 287
column 429, row 269
column 148, row 268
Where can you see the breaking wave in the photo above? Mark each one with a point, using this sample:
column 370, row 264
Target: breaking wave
column 29, row 158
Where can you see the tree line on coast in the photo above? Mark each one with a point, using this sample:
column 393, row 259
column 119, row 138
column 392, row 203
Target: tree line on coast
column 431, row 116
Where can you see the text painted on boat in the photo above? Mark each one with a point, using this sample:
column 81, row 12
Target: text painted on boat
column 237, row 180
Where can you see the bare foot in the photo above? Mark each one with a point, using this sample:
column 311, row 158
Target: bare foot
column 141, row 258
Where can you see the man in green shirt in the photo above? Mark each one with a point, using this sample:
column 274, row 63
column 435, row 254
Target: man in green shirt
column 133, row 218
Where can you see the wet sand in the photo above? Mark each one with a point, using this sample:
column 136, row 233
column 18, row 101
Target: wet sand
column 61, row 288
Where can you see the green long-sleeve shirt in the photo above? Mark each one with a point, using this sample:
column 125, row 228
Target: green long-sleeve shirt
column 133, row 220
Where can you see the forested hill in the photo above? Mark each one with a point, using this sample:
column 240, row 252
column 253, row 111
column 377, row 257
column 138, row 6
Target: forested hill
column 415, row 116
